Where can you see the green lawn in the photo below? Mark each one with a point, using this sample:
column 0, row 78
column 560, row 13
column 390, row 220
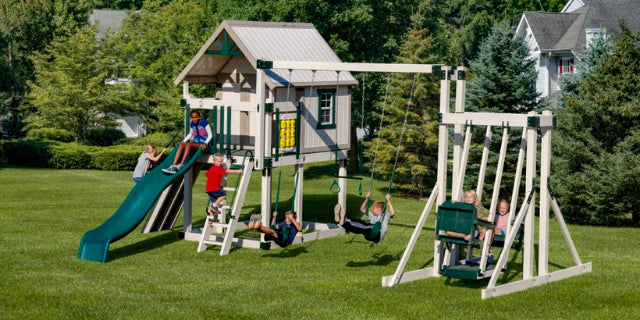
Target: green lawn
column 45, row 212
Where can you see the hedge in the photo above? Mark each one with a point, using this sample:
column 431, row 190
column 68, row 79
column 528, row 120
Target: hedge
column 54, row 154
column 51, row 134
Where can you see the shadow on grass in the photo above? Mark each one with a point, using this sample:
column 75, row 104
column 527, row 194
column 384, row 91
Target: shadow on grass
column 287, row 253
column 377, row 259
column 145, row 245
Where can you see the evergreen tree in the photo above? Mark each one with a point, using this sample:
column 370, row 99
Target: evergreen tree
column 413, row 98
column 504, row 75
column 69, row 89
column 597, row 147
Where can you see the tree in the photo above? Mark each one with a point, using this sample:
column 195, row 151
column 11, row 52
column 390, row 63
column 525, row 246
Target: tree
column 597, row 147
column 152, row 47
column 413, row 99
column 27, row 26
column 69, row 89
column 504, row 75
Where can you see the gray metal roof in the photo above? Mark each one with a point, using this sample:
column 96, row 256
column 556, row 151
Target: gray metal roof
column 268, row 41
column 107, row 19
column 566, row 31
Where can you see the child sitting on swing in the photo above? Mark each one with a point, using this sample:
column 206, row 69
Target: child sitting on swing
column 282, row 233
column 376, row 228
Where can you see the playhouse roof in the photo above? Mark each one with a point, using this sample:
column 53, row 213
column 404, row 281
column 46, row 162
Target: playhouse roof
column 268, row 41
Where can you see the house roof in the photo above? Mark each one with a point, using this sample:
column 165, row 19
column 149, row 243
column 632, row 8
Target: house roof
column 566, row 31
column 107, row 19
column 267, row 41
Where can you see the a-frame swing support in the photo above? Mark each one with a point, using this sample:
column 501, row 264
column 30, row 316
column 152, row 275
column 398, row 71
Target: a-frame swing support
column 531, row 123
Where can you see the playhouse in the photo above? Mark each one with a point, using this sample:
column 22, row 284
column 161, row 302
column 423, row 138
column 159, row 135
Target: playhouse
column 275, row 117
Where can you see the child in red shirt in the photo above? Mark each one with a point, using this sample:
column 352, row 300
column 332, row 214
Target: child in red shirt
column 214, row 190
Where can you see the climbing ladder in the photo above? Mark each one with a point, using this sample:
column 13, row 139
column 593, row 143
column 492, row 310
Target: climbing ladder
column 222, row 226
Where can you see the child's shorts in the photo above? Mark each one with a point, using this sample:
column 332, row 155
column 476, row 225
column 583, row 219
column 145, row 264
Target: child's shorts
column 214, row 195
column 503, row 232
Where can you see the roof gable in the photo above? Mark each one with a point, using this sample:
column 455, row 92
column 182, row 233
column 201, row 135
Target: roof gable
column 264, row 41
column 107, row 19
column 566, row 31
column 548, row 28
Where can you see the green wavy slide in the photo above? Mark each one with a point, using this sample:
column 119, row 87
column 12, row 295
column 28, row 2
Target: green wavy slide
column 95, row 243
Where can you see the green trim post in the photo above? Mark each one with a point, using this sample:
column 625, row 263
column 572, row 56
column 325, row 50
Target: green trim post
column 229, row 129
column 298, row 114
column 212, row 144
column 262, row 64
column 214, row 140
column 187, row 118
column 221, row 128
column 276, row 136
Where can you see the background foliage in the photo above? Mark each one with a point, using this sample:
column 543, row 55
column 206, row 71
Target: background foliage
column 42, row 88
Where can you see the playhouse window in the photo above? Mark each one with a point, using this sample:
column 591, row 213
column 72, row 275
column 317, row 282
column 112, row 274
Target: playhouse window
column 565, row 65
column 326, row 109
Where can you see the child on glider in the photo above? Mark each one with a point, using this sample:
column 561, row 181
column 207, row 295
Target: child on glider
column 502, row 219
column 376, row 228
column 213, row 188
column 470, row 196
column 282, row 233
column 144, row 161
column 198, row 137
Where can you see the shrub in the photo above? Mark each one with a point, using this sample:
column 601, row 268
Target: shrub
column 120, row 158
column 104, row 136
column 69, row 156
column 28, row 153
column 51, row 134
column 158, row 139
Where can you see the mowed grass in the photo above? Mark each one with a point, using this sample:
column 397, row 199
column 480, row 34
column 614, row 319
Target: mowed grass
column 45, row 212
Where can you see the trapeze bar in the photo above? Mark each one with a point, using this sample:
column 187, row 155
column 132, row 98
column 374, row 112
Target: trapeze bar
column 350, row 66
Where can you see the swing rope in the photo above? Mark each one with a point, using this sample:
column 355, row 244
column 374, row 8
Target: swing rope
column 404, row 124
column 335, row 187
column 395, row 162
column 375, row 154
column 278, row 191
column 360, row 149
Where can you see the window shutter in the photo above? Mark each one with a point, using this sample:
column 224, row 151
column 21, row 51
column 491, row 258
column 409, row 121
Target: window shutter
column 570, row 65
column 559, row 66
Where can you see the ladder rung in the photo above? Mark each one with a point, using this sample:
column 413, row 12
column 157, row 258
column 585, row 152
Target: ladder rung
column 218, row 243
column 218, row 224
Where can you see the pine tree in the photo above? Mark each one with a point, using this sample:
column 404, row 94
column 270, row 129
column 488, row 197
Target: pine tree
column 597, row 148
column 414, row 97
column 503, row 81
column 504, row 75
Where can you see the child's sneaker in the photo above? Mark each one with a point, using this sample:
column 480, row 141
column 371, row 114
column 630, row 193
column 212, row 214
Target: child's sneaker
column 214, row 210
column 171, row 170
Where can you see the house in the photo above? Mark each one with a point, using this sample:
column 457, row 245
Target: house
column 111, row 21
column 554, row 39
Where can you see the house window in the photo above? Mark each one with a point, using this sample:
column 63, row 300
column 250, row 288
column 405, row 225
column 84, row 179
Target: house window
column 565, row 65
column 326, row 109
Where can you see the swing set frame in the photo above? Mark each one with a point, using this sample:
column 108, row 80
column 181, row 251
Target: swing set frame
column 530, row 123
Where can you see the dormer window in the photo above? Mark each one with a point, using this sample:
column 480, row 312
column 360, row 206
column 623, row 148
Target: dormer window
column 592, row 33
